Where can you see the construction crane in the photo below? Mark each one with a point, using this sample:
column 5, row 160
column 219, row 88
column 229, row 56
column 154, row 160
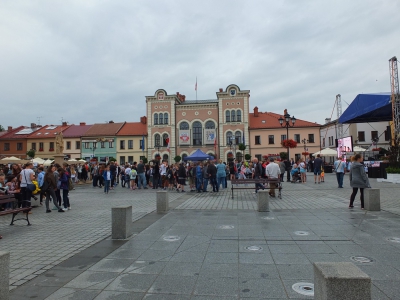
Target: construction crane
column 339, row 113
column 394, row 84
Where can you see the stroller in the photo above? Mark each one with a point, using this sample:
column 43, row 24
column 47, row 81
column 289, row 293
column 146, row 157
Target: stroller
column 295, row 172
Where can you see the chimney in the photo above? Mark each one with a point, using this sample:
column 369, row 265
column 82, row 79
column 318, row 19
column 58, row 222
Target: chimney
column 82, row 123
column 33, row 125
column 285, row 112
column 143, row 120
column 9, row 128
column 221, row 90
column 327, row 120
column 256, row 111
column 64, row 124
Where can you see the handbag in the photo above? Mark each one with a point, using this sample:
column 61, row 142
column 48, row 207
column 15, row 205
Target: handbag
column 29, row 186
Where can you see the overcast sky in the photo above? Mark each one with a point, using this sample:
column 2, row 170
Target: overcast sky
column 95, row 61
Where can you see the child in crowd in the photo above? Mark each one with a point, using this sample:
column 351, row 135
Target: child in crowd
column 132, row 175
column 13, row 188
column 322, row 175
column 37, row 190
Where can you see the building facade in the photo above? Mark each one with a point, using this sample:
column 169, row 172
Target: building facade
column 178, row 127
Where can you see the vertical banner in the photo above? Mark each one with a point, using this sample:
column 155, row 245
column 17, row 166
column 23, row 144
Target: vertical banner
column 210, row 136
column 184, row 137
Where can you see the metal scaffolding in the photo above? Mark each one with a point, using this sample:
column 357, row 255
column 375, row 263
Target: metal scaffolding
column 394, row 84
column 339, row 113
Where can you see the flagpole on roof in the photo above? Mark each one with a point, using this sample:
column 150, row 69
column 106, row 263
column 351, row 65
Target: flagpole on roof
column 195, row 87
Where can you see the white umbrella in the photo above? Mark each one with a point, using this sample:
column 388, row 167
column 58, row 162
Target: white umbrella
column 358, row 149
column 326, row 152
column 48, row 162
column 38, row 160
column 72, row 160
column 12, row 159
column 82, row 161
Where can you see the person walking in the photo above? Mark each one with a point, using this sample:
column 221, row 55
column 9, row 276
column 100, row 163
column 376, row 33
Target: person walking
column 221, row 174
column 212, row 174
column 26, row 177
column 317, row 168
column 272, row 171
column 199, row 176
column 282, row 167
column 257, row 174
column 107, row 176
column 49, row 187
column 64, row 187
column 205, row 177
column 181, row 178
column 141, row 173
column 358, row 179
column 340, row 170
column 156, row 174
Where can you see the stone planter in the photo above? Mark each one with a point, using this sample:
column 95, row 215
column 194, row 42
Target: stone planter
column 394, row 178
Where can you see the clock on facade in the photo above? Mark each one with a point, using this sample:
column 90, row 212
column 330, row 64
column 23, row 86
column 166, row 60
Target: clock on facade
column 232, row 92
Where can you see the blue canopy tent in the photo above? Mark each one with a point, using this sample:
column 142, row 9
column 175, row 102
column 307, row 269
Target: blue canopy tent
column 368, row 108
column 198, row 156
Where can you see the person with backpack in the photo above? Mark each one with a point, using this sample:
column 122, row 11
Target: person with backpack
column 127, row 176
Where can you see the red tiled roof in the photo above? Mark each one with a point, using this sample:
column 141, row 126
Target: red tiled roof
column 76, row 131
column 47, row 131
column 133, row 128
column 268, row 120
column 109, row 129
column 20, row 132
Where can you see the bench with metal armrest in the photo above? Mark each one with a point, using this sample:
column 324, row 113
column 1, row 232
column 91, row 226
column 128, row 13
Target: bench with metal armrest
column 262, row 181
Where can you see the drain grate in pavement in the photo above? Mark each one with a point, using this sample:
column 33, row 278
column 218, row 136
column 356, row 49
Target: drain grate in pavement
column 226, row 227
column 171, row 238
column 301, row 233
column 394, row 239
column 304, row 288
column 361, row 259
column 253, row 248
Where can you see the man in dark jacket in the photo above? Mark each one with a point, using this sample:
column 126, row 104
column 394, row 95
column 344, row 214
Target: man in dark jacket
column 288, row 168
column 257, row 174
column 212, row 173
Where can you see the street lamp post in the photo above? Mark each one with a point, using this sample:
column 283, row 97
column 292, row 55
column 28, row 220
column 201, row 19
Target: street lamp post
column 287, row 122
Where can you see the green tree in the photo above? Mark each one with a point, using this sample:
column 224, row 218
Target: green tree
column 283, row 155
column 145, row 160
column 247, row 156
column 177, row 158
column 1, row 128
column 110, row 159
column 31, row 153
column 242, row 147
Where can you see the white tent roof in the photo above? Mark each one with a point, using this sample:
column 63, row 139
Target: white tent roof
column 358, row 149
column 326, row 152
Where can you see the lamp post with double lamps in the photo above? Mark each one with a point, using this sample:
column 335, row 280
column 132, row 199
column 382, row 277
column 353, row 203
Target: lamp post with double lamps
column 287, row 122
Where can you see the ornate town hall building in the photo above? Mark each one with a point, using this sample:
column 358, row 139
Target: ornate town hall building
column 177, row 126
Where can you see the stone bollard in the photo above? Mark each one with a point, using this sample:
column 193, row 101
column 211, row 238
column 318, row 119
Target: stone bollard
column 4, row 275
column 162, row 202
column 263, row 201
column 340, row 281
column 372, row 199
column 121, row 219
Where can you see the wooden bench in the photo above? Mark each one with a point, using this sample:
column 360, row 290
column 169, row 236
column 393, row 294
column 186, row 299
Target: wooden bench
column 252, row 182
column 4, row 199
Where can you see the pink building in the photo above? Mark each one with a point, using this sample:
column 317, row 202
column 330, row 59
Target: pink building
column 177, row 126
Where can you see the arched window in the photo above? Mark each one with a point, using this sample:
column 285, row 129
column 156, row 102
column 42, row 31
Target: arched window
column 238, row 116
column 164, row 138
column 157, row 140
column 238, row 137
column 155, row 119
column 160, row 118
column 197, row 133
column 183, row 156
column 210, row 125
column 184, row 126
column 229, row 138
column 233, row 116
column 165, row 118
column 227, row 116
column 165, row 157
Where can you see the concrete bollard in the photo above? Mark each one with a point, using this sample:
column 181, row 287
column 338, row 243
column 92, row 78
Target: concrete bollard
column 263, row 201
column 372, row 199
column 4, row 275
column 162, row 202
column 340, row 281
column 121, row 219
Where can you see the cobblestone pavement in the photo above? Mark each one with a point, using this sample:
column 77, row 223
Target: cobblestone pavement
column 54, row 237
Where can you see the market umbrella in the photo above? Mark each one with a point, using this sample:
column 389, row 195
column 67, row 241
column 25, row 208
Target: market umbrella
column 358, row 149
column 13, row 159
column 72, row 160
column 82, row 161
column 38, row 160
column 326, row 152
column 48, row 162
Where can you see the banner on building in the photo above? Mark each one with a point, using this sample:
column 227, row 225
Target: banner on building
column 184, row 137
column 210, row 136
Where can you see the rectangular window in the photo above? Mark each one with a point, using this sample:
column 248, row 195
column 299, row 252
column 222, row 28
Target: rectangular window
column 33, row 146
column 6, row 146
column 361, row 136
column 41, row 146
column 297, row 138
column 122, row 160
column 271, row 139
column 330, row 140
column 94, row 145
column 257, row 140
column 258, row 156
column 51, row 145
column 130, row 144
column 283, row 137
column 78, row 145
column 323, row 142
column 311, row 138
column 130, row 159
column 110, row 144
column 19, row 146
column 122, row 144
column 68, row 145
column 141, row 144
column 86, row 145
column 102, row 144
column 297, row 157
column 374, row 135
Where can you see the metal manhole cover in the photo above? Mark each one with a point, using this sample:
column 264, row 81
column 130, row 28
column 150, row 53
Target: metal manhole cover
column 362, row 259
column 268, row 218
column 226, row 227
column 253, row 248
column 301, row 233
column 304, row 288
column 394, row 240
column 171, row 238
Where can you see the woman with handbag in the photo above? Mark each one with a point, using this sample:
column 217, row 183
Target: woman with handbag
column 358, row 179
column 27, row 187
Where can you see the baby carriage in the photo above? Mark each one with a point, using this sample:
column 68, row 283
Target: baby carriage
column 295, row 172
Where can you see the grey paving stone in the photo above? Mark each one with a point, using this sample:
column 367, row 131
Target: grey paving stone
column 111, row 265
column 132, row 282
column 221, row 257
column 219, row 270
column 172, row 284
column 156, row 255
column 111, row 295
column 284, row 249
column 252, row 258
column 295, row 271
column 146, row 267
column 92, row 280
column 224, row 246
column 217, row 286
column 290, row 258
column 182, row 269
column 261, row 288
column 73, row 294
column 166, row 297
column 258, row 271
column 188, row 256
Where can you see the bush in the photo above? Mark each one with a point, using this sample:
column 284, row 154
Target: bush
column 283, row 155
column 177, row 158
column 392, row 170
column 247, row 156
